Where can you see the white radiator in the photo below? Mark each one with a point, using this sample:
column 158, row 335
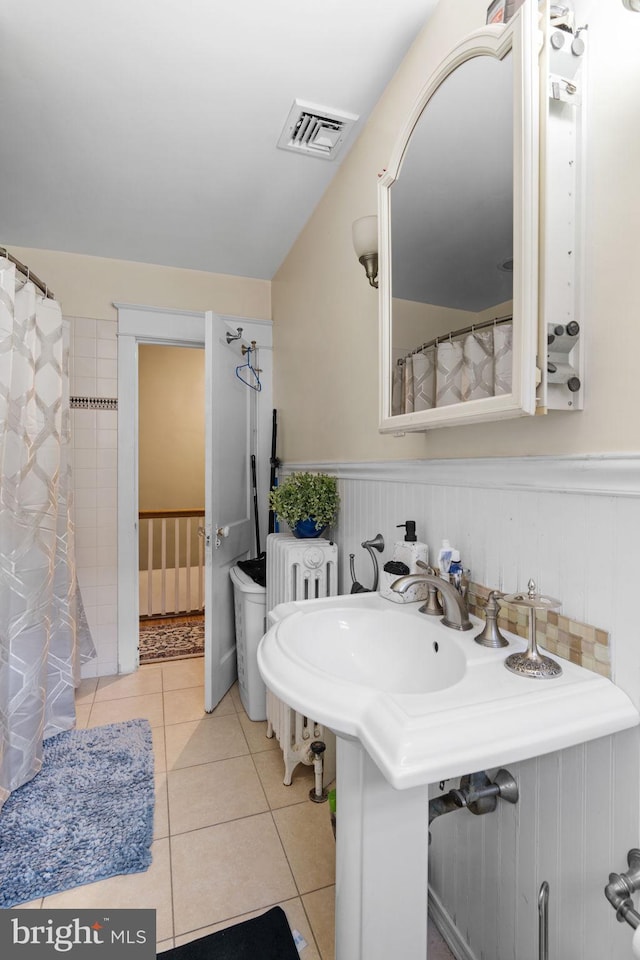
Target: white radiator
column 299, row 570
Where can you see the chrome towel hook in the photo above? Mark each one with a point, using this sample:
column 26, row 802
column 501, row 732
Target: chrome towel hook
column 234, row 336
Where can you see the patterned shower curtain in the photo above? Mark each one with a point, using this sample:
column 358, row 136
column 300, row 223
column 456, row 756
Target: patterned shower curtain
column 475, row 366
column 41, row 647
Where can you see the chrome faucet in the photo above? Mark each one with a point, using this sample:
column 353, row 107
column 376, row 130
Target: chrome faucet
column 456, row 614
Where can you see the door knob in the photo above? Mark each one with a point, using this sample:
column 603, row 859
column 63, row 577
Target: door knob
column 204, row 535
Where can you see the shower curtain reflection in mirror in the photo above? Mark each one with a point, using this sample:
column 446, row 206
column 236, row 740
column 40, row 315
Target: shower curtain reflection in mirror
column 454, row 370
column 41, row 645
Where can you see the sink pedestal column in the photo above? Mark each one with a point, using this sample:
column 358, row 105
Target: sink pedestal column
column 382, row 850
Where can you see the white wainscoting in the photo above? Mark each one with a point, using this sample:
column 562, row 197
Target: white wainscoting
column 573, row 524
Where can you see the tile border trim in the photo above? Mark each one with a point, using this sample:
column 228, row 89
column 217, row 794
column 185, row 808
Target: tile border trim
column 93, row 403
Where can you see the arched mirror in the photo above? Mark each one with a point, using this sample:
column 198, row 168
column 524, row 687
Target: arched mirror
column 458, row 239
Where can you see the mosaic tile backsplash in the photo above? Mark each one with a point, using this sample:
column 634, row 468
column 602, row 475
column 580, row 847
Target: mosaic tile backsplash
column 578, row 642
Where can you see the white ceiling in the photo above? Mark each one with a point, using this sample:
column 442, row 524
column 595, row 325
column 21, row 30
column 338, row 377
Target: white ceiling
column 146, row 130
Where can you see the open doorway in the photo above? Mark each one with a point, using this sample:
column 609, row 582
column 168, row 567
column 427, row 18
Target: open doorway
column 171, row 500
column 139, row 325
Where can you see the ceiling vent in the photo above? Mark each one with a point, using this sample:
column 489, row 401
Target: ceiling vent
column 315, row 131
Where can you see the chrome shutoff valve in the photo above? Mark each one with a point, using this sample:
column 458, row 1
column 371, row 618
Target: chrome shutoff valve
column 480, row 795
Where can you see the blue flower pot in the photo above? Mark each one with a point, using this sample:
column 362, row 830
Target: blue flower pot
column 305, row 529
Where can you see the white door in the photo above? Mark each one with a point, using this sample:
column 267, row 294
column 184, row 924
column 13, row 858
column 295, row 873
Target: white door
column 227, row 500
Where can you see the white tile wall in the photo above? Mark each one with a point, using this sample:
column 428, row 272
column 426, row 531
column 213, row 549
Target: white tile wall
column 94, row 436
column 579, row 811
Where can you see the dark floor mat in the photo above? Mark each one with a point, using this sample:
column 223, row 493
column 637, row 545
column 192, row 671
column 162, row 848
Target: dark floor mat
column 267, row 937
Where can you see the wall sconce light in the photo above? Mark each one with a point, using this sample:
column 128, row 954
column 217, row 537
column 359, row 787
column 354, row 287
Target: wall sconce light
column 632, row 5
column 365, row 243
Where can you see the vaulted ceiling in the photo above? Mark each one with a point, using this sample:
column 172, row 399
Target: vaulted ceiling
column 146, row 130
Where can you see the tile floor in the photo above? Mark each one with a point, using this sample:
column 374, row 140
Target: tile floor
column 230, row 839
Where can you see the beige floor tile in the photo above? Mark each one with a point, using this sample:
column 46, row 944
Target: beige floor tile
column 270, row 767
column 86, row 690
column 320, row 907
column 183, row 673
column 235, row 696
column 83, row 712
column 129, row 685
column 256, row 733
column 165, row 945
column 213, row 793
column 161, row 810
column 201, row 741
column 228, row 870
column 298, row 920
column 295, row 915
column 188, row 704
column 305, row 831
column 226, row 706
column 32, row 904
column 184, row 704
column 148, row 707
column 151, row 890
column 159, row 749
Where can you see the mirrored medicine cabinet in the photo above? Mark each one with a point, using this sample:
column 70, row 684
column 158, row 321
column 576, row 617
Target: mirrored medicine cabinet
column 479, row 306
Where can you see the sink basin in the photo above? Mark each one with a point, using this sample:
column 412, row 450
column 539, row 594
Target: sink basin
column 425, row 701
column 413, row 702
column 376, row 649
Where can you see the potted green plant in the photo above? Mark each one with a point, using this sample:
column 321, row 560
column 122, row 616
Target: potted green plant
column 307, row 502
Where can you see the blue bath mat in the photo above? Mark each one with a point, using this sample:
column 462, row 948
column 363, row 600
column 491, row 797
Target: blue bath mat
column 86, row 816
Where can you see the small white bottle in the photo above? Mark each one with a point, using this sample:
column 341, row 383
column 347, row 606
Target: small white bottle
column 406, row 552
column 445, row 555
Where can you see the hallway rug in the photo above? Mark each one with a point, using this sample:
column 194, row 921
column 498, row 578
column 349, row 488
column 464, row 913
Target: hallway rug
column 267, row 937
column 171, row 640
column 86, row 816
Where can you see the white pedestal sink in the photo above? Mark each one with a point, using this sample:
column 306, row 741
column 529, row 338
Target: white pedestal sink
column 413, row 702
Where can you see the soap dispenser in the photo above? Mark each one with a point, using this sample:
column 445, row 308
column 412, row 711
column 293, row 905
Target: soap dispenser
column 406, row 554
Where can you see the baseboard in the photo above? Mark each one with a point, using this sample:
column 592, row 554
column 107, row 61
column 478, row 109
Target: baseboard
column 448, row 930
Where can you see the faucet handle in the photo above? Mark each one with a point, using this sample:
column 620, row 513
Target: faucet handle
column 491, row 635
column 432, row 607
